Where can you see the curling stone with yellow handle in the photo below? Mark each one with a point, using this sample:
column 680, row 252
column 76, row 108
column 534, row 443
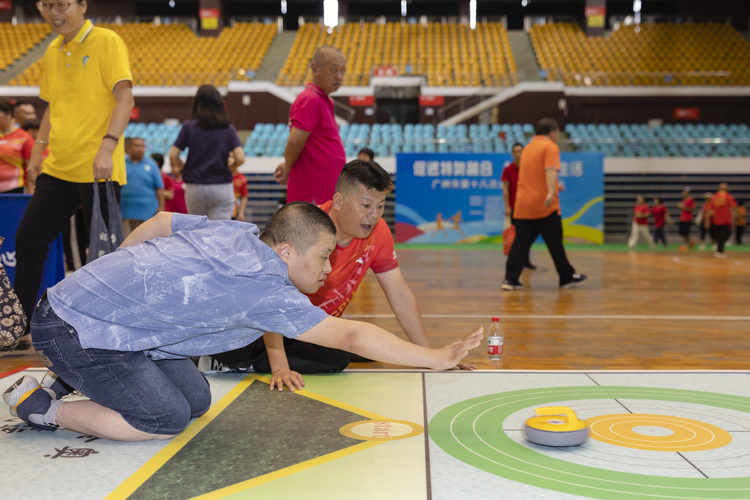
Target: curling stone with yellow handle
column 556, row 426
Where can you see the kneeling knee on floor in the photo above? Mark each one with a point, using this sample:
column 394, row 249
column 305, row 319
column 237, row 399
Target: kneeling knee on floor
column 172, row 419
column 201, row 405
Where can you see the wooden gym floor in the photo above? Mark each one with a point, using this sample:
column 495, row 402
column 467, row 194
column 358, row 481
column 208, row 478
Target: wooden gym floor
column 638, row 311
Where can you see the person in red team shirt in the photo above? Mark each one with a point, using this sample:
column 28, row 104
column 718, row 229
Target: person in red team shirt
column 509, row 179
column 239, row 182
column 640, row 223
column 363, row 241
column 687, row 207
column 720, row 214
column 15, row 152
column 740, row 221
column 660, row 217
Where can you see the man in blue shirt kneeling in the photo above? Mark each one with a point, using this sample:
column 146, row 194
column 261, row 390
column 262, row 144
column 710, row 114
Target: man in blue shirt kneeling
column 122, row 329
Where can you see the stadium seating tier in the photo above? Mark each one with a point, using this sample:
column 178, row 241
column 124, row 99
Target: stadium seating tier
column 661, row 54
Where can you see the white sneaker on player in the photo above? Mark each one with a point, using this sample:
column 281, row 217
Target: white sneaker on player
column 209, row 364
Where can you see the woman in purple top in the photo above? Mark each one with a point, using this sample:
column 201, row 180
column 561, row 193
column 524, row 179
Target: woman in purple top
column 209, row 137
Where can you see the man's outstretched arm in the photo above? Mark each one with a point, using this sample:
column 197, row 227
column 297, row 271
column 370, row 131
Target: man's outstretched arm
column 373, row 342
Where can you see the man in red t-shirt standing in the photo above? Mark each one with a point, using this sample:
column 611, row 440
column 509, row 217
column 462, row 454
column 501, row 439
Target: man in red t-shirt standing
column 687, row 207
column 363, row 241
column 509, row 179
column 720, row 214
column 314, row 153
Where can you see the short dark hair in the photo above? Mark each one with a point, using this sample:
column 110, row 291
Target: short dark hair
column 545, row 126
column 364, row 173
column 300, row 224
column 33, row 123
column 159, row 159
column 209, row 110
column 6, row 106
column 20, row 103
column 369, row 152
column 516, row 144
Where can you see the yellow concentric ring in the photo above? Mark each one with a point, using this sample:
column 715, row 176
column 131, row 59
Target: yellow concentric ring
column 684, row 434
column 381, row 430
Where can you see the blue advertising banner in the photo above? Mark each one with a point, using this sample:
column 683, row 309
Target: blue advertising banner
column 458, row 198
column 12, row 207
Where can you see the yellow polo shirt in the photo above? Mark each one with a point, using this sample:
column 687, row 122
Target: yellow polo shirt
column 77, row 81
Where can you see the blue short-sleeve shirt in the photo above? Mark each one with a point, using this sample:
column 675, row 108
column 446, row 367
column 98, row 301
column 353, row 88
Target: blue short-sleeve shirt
column 210, row 287
column 138, row 198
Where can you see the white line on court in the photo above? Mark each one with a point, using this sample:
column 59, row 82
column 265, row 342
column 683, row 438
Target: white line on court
column 567, row 316
column 732, row 265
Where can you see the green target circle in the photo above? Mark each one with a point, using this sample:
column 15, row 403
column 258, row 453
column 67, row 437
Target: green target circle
column 470, row 431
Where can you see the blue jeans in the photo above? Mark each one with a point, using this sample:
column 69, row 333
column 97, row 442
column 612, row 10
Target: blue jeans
column 156, row 397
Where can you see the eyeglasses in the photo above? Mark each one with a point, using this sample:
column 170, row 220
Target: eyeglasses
column 58, row 6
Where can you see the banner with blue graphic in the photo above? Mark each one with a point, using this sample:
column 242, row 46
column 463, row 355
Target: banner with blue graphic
column 458, row 198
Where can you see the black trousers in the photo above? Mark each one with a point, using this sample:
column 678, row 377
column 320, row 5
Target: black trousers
column 528, row 259
column 721, row 234
column 739, row 231
column 527, row 230
column 303, row 357
column 659, row 235
column 50, row 207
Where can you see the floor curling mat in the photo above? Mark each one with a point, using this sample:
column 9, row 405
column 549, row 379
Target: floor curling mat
column 412, row 435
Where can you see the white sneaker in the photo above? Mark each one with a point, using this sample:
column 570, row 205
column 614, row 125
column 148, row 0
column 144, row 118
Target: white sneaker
column 720, row 255
column 209, row 364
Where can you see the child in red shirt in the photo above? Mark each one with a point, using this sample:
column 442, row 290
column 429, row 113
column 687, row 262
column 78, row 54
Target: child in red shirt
column 640, row 223
column 660, row 216
column 239, row 181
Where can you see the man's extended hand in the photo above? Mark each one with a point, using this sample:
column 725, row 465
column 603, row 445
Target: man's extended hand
column 451, row 354
column 289, row 378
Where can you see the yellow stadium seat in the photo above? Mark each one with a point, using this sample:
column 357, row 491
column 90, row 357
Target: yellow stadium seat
column 647, row 54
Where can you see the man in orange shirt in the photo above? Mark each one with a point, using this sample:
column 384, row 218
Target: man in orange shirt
column 720, row 213
column 363, row 241
column 537, row 208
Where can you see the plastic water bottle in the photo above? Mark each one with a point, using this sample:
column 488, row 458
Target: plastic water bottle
column 495, row 341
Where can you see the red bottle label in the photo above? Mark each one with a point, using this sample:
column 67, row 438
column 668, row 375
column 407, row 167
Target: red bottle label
column 494, row 349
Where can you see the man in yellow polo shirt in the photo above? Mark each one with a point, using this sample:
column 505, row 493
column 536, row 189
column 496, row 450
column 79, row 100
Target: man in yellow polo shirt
column 87, row 84
column 537, row 208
